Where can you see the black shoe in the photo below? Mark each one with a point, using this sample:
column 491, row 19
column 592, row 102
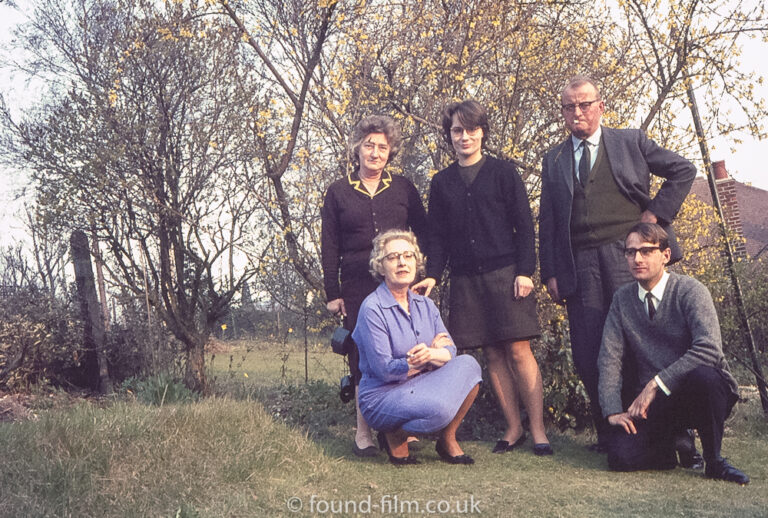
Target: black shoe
column 542, row 449
column 722, row 470
column 452, row 459
column 504, row 446
column 370, row 451
column 397, row 461
column 685, row 444
column 695, row 461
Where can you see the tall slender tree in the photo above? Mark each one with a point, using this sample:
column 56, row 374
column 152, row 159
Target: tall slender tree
column 141, row 139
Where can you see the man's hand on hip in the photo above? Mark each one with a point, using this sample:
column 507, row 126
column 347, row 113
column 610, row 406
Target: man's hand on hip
column 648, row 217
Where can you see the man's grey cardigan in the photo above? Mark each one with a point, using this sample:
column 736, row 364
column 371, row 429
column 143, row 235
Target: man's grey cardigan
column 684, row 334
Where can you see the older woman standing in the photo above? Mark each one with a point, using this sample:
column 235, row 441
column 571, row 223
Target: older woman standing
column 409, row 387
column 357, row 208
column 481, row 224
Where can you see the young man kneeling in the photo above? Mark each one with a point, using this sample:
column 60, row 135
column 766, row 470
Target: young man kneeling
column 664, row 330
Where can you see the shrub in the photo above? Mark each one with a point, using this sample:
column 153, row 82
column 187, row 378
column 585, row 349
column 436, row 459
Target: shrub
column 704, row 247
column 753, row 277
column 314, row 406
column 139, row 348
column 566, row 404
column 40, row 340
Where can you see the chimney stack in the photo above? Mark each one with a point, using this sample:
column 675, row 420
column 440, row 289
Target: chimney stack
column 726, row 191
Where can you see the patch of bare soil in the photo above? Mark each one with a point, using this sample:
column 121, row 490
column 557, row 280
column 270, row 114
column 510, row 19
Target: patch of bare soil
column 20, row 406
column 13, row 407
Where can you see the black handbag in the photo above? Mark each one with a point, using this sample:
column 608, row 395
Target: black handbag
column 346, row 389
column 341, row 341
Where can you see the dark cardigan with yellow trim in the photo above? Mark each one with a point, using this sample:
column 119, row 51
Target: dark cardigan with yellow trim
column 351, row 218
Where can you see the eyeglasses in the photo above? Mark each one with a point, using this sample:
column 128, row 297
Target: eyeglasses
column 458, row 131
column 645, row 251
column 582, row 106
column 395, row 256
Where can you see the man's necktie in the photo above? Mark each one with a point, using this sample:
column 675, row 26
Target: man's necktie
column 651, row 307
column 585, row 163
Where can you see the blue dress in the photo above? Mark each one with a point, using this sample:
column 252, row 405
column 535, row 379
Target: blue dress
column 389, row 400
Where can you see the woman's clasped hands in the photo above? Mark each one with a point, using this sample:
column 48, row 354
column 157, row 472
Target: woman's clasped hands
column 422, row 357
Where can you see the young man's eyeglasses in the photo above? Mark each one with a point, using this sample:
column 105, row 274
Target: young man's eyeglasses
column 395, row 256
column 645, row 251
column 582, row 106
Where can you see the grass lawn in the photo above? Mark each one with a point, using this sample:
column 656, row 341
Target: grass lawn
column 269, row 445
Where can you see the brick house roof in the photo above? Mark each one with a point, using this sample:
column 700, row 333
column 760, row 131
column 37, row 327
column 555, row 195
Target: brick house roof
column 751, row 209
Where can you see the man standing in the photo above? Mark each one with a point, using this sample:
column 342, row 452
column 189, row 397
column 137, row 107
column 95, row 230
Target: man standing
column 594, row 187
column 666, row 327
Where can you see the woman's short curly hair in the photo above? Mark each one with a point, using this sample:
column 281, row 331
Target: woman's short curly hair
column 375, row 124
column 380, row 243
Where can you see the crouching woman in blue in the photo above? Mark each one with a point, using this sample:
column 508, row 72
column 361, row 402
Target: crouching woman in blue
column 413, row 382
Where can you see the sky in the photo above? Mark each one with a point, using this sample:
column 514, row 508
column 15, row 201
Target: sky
column 11, row 182
column 749, row 163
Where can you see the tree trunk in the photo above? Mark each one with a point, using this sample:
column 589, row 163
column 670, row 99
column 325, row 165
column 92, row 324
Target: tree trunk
column 96, row 370
column 101, row 353
column 194, row 375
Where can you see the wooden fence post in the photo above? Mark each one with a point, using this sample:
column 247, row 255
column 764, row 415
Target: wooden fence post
column 95, row 337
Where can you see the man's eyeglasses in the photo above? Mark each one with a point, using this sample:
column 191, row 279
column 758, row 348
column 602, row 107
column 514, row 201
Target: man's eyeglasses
column 458, row 131
column 582, row 106
column 645, row 251
column 395, row 256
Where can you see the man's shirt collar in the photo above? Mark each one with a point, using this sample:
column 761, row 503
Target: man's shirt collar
column 593, row 140
column 657, row 291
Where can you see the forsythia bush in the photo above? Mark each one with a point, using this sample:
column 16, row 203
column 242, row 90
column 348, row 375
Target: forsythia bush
column 40, row 340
